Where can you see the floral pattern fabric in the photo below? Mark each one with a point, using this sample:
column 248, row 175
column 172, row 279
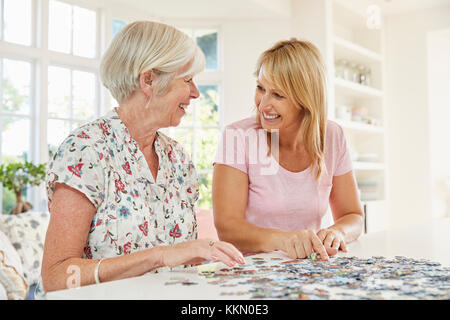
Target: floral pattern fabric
column 134, row 212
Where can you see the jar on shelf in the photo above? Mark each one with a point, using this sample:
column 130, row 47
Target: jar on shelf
column 339, row 69
column 362, row 71
column 368, row 77
column 354, row 75
column 345, row 69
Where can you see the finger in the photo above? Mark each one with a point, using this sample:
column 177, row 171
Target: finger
column 290, row 249
column 322, row 234
column 218, row 255
column 307, row 246
column 344, row 246
column 328, row 240
column 336, row 243
column 300, row 251
column 318, row 247
column 331, row 251
column 230, row 251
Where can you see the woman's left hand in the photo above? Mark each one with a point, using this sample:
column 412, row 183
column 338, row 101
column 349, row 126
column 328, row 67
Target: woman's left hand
column 332, row 240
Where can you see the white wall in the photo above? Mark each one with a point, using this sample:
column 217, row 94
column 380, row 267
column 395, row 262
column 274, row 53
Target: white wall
column 408, row 113
column 243, row 42
column 439, row 103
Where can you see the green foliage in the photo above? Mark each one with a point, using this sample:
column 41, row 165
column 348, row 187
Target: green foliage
column 17, row 175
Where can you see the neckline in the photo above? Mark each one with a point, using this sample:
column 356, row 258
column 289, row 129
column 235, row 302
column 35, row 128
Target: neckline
column 128, row 139
column 283, row 169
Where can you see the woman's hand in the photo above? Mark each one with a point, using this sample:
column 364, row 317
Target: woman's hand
column 197, row 251
column 332, row 240
column 301, row 243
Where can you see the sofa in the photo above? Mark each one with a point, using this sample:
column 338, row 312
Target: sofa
column 22, row 239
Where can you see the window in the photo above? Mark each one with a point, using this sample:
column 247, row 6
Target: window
column 71, row 102
column 32, row 119
column 16, row 21
column 15, row 118
column 200, row 128
column 72, row 29
column 117, row 24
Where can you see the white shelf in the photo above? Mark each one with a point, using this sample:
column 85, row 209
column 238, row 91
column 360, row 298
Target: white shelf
column 356, row 89
column 358, row 165
column 356, row 52
column 358, row 126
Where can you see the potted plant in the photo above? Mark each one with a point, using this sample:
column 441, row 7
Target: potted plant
column 16, row 176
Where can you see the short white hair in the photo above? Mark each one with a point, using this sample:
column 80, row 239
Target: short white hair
column 146, row 45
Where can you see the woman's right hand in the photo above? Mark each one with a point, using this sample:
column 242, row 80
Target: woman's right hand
column 301, row 243
column 197, row 251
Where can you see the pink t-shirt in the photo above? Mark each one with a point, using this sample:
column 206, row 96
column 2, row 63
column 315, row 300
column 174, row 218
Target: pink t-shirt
column 278, row 198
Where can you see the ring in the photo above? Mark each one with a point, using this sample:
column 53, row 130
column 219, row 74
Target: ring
column 211, row 243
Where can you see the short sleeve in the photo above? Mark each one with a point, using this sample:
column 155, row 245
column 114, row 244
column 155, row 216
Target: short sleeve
column 77, row 165
column 232, row 150
column 343, row 158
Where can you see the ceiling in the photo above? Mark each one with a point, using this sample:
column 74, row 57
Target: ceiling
column 212, row 9
column 389, row 7
column 259, row 9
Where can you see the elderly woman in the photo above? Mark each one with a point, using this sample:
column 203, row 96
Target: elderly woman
column 122, row 195
column 271, row 190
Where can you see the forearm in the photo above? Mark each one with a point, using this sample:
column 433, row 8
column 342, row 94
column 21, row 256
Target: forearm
column 247, row 237
column 350, row 225
column 74, row 272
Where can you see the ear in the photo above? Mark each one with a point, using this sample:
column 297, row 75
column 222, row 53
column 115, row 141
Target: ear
column 146, row 81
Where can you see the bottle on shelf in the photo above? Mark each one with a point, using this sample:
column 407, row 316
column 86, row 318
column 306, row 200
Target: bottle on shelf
column 368, row 77
column 362, row 71
column 354, row 72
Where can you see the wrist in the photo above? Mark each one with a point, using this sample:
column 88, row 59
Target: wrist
column 160, row 253
column 275, row 240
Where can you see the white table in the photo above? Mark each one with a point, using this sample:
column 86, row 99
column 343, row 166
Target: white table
column 428, row 241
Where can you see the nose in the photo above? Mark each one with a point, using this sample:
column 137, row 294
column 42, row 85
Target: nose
column 263, row 102
column 194, row 91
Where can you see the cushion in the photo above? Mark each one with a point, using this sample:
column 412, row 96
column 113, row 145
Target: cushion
column 26, row 231
column 14, row 284
column 3, row 294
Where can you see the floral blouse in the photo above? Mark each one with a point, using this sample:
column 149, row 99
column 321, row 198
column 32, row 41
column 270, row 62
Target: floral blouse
column 134, row 212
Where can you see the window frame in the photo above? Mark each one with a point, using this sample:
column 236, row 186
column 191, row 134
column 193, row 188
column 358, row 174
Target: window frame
column 41, row 57
column 206, row 78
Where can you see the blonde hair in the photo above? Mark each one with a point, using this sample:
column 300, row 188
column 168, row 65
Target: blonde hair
column 146, row 45
column 297, row 69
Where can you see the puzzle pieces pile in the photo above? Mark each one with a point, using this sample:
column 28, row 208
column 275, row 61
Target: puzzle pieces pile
column 338, row 278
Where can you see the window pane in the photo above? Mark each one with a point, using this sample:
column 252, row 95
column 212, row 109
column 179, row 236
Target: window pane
column 207, row 41
column 117, row 24
column 188, row 118
column 184, row 137
column 15, row 148
column 83, row 95
column 205, row 187
column 208, row 105
column 16, row 86
column 84, row 32
column 15, row 139
column 57, row 131
column 207, row 141
column 17, row 21
column 58, row 92
column 60, row 25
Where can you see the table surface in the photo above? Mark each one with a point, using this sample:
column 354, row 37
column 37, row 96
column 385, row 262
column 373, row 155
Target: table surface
column 429, row 241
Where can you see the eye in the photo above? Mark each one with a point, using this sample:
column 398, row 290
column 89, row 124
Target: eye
column 188, row 80
column 259, row 88
column 278, row 96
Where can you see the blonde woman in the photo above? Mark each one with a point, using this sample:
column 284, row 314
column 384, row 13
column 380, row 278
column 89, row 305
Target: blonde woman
column 122, row 195
column 275, row 174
